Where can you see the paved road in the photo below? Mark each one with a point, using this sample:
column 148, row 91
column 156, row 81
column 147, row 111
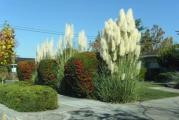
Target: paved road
column 83, row 109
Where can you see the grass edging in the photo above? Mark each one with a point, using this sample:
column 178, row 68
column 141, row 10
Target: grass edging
column 151, row 94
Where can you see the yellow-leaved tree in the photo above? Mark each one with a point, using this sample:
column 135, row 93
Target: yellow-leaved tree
column 7, row 44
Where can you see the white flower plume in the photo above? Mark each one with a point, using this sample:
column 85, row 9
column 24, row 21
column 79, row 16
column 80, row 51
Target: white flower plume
column 69, row 34
column 119, row 38
column 60, row 45
column 47, row 50
column 82, row 41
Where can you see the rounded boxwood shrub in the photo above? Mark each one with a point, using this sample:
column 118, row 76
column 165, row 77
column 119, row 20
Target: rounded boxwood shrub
column 78, row 75
column 25, row 97
column 25, row 70
column 47, row 73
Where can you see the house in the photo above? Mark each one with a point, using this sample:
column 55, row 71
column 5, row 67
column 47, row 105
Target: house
column 150, row 62
column 18, row 59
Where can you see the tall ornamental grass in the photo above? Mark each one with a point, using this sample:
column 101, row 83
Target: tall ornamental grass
column 64, row 50
column 120, row 50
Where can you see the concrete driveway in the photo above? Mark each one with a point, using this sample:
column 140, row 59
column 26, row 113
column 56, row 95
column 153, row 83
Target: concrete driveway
column 84, row 109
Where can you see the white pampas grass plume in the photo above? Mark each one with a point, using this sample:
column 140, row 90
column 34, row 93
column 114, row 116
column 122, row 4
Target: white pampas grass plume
column 130, row 20
column 120, row 39
column 45, row 50
column 104, row 45
column 60, row 45
column 123, row 22
column 69, row 34
column 113, row 46
column 123, row 76
column 122, row 49
column 82, row 41
column 52, row 50
column 138, row 67
column 115, row 56
column 111, row 67
column 137, row 51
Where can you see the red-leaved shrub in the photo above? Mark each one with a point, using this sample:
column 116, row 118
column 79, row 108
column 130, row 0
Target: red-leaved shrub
column 47, row 73
column 79, row 71
column 25, row 70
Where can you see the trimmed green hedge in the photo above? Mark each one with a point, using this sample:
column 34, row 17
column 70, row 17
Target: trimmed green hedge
column 26, row 97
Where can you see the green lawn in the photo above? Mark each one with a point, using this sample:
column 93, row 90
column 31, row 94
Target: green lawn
column 146, row 93
column 149, row 84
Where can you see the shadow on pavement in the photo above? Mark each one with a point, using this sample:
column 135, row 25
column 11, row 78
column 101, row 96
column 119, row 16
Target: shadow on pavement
column 87, row 114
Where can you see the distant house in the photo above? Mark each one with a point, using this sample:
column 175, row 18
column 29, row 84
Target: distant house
column 18, row 59
column 150, row 62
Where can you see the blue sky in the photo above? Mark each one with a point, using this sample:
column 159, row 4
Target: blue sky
column 89, row 15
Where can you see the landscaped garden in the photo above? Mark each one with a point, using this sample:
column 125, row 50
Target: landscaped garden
column 112, row 69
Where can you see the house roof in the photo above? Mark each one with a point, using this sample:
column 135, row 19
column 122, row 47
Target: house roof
column 24, row 59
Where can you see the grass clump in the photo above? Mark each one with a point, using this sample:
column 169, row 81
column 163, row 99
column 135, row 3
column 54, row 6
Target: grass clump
column 112, row 89
column 119, row 86
column 26, row 97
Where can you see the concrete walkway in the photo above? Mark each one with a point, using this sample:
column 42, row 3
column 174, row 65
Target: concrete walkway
column 84, row 109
